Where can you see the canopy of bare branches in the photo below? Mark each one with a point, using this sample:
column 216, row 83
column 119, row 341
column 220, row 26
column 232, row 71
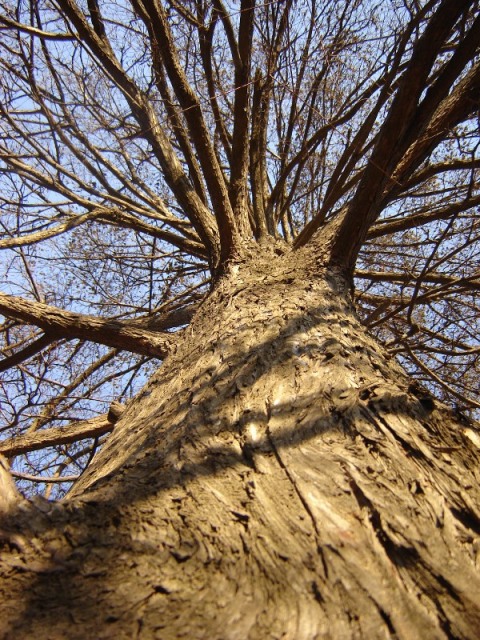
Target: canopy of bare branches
column 145, row 144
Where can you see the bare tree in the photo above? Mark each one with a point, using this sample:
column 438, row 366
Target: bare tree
column 240, row 299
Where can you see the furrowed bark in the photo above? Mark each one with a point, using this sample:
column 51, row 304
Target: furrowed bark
column 280, row 476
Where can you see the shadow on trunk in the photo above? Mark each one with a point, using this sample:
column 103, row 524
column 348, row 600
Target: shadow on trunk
column 278, row 477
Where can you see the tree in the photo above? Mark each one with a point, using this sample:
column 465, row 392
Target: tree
column 277, row 202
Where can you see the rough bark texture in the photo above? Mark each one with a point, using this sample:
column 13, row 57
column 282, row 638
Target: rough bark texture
column 278, row 478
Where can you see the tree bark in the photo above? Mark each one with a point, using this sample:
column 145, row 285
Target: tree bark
column 279, row 477
column 60, row 323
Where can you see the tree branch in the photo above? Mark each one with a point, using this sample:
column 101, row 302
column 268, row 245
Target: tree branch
column 386, row 227
column 189, row 102
column 404, row 277
column 394, row 139
column 56, row 436
column 32, row 31
column 241, row 121
column 151, row 130
column 9, row 494
column 59, row 323
column 30, row 350
column 455, row 108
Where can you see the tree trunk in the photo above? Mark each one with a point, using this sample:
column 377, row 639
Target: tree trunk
column 279, row 477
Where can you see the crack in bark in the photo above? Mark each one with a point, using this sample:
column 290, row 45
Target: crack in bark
column 467, row 518
column 409, row 449
column 304, row 502
column 387, row 620
column 256, row 385
column 408, row 557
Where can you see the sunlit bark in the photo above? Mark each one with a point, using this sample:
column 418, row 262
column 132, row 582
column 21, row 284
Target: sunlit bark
column 237, row 221
column 279, row 476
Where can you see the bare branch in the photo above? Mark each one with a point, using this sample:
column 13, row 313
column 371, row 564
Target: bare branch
column 394, row 137
column 190, row 105
column 30, row 350
column 23, row 28
column 387, row 227
column 56, row 436
column 150, row 127
column 59, row 323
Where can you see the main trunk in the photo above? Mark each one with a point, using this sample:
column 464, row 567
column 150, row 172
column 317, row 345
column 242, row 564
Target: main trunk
column 279, row 477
